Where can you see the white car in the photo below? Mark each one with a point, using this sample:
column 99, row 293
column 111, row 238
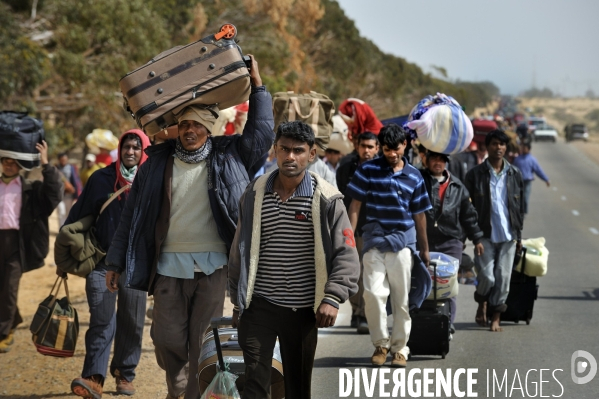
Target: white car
column 545, row 132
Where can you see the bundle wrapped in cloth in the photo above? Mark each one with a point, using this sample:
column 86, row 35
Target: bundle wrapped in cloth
column 101, row 139
column 359, row 116
column 440, row 124
column 19, row 134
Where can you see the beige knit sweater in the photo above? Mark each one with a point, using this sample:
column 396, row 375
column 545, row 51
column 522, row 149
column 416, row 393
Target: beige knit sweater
column 192, row 226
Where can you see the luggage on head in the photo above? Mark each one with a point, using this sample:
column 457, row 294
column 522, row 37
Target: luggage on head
column 19, row 134
column 211, row 72
column 314, row 109
column 440, row 124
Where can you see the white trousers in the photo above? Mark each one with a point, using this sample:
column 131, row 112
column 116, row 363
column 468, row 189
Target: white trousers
column 388, row 273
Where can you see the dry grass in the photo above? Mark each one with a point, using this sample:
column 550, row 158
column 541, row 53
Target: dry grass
column 561, row 111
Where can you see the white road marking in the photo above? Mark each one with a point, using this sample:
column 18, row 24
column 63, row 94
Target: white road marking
column 564, row 198
column 575, row 212
column 594, row 231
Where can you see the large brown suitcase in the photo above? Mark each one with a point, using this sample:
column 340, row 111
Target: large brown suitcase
column 210, row 71
column 226, row 350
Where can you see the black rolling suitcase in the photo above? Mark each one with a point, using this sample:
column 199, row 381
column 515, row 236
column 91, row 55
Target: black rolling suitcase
column 523, row 294
column 430, row 325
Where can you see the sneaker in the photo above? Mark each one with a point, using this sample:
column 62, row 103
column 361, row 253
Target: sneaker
column 398, row 360
column 362, row 326
column 6, row 343
column 90, row 387
column 124, row 387
column 379, row 357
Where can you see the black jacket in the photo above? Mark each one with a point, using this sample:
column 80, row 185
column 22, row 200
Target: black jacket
column 478, row 183
column 456, row 217
column 38, row 201
column 345, row 172
column 95, row 193
column 134, row 246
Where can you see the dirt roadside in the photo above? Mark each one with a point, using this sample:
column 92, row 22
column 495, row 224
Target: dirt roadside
column 26, row 374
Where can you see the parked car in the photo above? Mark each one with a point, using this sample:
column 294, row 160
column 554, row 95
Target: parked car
column 545, row 132
column 576, row 131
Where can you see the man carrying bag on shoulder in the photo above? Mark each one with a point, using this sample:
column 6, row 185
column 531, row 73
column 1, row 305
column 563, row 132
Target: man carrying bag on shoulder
column 130, row 314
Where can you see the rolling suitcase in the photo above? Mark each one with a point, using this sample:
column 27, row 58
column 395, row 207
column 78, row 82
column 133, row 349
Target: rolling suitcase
column 211, row 72
column 430, row 325
column 221, row 345
column 522, row 296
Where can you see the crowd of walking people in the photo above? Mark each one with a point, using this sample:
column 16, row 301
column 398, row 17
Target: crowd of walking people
column 193, row 219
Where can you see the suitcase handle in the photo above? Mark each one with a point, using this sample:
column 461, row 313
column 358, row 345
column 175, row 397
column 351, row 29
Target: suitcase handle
column 215, row 323
column 433, row 262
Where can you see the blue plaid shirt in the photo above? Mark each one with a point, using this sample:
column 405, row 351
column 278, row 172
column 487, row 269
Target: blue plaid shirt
column 391, row 198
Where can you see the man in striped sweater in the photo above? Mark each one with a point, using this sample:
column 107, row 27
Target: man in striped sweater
column 294, row 260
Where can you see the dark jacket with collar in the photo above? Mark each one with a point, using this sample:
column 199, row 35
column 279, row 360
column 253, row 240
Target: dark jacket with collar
column 145, row 219
column 38, row 201
column 478, row 184
column 96, row 192
column 456, row 216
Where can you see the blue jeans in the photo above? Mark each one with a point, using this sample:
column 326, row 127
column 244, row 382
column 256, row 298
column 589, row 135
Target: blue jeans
column 494, row 271
column 124, row 325
column 527, row 189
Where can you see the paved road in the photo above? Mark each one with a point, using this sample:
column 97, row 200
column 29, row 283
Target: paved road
column 566, row 317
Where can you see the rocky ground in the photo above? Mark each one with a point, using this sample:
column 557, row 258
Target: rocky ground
column 24, row 373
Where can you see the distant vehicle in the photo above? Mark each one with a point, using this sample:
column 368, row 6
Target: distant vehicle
column 534, row 122
column 576, row 131
column 545, row 132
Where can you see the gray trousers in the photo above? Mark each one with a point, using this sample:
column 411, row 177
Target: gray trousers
column 494, row 271
column 182, row 312
column 125, row 326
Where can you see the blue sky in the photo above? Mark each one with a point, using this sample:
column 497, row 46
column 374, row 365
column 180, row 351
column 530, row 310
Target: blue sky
column 513, row 43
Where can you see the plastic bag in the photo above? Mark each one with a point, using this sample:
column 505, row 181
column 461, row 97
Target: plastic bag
column 447, row 269
column 101, row 138
column 440, row 124
column 536, row 257
column 222, row 386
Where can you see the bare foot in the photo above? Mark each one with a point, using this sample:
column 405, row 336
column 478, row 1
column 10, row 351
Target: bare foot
column 495, row 322
column 481, row 314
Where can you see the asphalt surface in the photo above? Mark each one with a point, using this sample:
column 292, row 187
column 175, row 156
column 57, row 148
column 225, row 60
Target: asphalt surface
column 566, row 314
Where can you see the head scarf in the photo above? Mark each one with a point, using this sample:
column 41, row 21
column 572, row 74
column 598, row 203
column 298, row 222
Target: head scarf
column 145, row 143
column 198, row 114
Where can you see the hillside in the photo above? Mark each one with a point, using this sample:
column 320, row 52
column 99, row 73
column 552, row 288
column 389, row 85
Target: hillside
column 63, row 61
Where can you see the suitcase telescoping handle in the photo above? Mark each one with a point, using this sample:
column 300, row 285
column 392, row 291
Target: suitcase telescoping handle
column 433, row 262
column 215, row 323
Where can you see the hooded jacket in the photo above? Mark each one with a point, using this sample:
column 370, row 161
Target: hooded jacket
column 100, row 186
column 142, row 230
column 336, row 259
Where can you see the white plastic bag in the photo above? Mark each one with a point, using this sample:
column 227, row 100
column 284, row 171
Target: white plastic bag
column 222, row 386
column 536, row 257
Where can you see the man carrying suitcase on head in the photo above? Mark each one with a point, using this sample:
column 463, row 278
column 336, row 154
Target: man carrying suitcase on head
column 178, row 226
column 496, row 191
column 292, row 263
column 24, row 236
